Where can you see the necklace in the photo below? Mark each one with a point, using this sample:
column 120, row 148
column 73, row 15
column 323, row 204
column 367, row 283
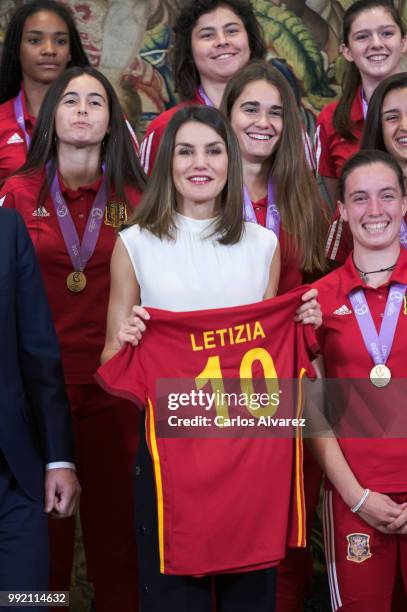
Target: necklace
column 363, row 275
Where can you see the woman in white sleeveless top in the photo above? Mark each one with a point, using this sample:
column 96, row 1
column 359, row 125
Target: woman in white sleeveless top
column 189, row 249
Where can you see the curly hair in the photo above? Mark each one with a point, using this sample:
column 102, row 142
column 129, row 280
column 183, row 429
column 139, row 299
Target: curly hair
column 186, row 76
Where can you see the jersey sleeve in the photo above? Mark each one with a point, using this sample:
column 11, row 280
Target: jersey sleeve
column 324, row 160
column 150, row 144
column 307, row 350
column 124, row 376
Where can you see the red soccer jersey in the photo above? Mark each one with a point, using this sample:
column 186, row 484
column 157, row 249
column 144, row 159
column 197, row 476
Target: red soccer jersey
column 224, row 505
column 331, row 149
column 290, row 274
column 13, row 149
column 379, row 464
column 155, row 131
column 80, row 318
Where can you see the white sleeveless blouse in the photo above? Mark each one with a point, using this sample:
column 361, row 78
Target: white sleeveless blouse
column 194, row 271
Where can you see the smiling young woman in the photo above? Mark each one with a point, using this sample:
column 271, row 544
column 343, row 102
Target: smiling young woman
column 80, row 180
column 385, row 130
column 280, row 190
column 363, row 337
column 373, row 43
column 41, row 42
column 213, row 40
column 386, row 121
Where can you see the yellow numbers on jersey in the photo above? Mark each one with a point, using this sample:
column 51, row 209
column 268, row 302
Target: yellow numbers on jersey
column 212, row 373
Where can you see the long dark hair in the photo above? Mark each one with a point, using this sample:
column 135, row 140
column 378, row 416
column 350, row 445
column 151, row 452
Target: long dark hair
column 351, row 79
column 158, row 205
column 303, row 215
column 10, row 68
column 373, row 132
column 366, row 158
column 186, row 76
column 122, row 165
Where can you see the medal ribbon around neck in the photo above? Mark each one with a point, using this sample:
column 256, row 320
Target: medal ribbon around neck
column 204, row 97
column 403, row 234
column 78, row 253
column 272, row 216
column 365, row 104
column 19, row 115
column 378, row 345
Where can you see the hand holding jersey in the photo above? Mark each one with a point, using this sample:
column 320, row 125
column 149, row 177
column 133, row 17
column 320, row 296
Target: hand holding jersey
column 133, row 327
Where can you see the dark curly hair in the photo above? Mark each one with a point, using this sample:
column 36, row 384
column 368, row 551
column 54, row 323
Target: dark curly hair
column 186, row 76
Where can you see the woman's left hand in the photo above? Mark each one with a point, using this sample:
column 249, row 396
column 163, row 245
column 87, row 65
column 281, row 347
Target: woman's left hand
column 310, row 310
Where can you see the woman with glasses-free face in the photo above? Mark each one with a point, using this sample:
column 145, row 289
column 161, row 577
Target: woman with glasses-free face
column 374, row 43
column 45, row 48
column 220, row 47
column 394, row 125
column 41, row 42
column 213, row 41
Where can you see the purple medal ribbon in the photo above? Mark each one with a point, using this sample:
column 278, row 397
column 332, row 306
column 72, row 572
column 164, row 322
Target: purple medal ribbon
column 403, row 234
column 79, row 253
column 378, row 345
column 365, row 105
column 204, row 97
column 19, row 114
column 272, row 216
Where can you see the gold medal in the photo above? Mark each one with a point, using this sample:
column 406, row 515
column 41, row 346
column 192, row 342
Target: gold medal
column 380, row 375
column 115, row 214
column 76, row 281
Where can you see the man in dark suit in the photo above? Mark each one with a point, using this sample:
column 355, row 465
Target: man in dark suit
column 36, row 455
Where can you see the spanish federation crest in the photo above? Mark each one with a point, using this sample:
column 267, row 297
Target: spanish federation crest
column 358, row 547
column 115, row 214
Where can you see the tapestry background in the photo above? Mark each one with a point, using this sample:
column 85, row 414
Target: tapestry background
column 130, row 41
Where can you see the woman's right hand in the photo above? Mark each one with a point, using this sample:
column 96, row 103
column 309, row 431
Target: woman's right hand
column 133, row 327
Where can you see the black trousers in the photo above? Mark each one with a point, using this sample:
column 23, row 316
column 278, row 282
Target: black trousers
column 243, row 592
column 23, row 539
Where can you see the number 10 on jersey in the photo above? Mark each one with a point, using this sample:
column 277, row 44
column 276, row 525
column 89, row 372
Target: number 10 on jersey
column 212, row 374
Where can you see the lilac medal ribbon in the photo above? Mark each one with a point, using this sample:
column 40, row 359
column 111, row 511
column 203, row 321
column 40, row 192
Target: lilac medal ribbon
column 79, row 253
column 19, row 114
column 204, row 97
column 378, row 345
column 365, row 105
column 403, row 234
column 272, row 216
